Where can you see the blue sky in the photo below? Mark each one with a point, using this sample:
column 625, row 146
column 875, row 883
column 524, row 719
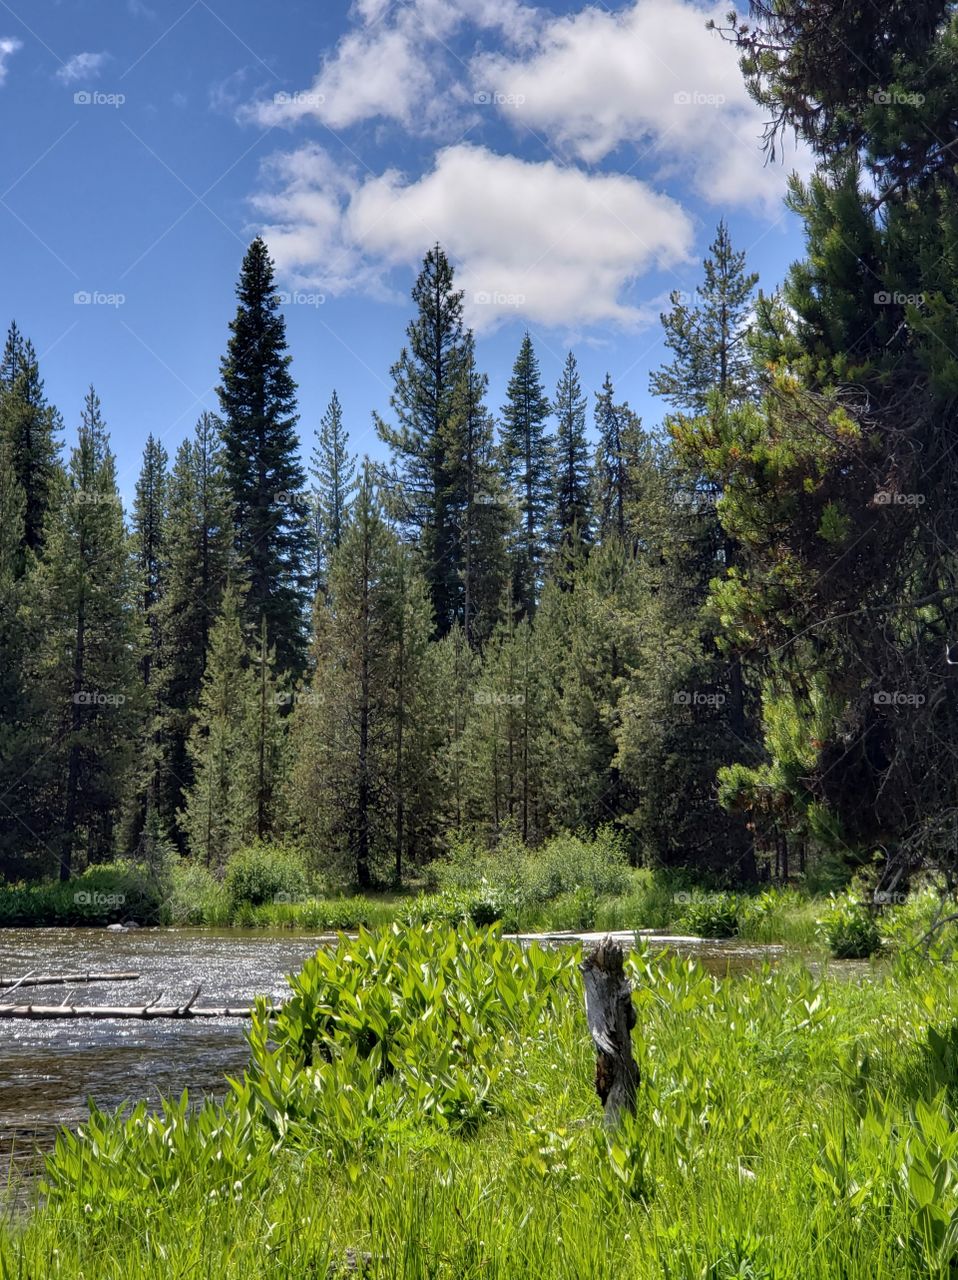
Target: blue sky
column 573, row 160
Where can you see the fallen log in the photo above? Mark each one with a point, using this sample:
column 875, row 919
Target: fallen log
column 65, row 979
column 611, row 1017
column 144, row 1012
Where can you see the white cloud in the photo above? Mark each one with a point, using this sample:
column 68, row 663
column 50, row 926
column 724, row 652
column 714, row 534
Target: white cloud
column 82, row 66
column 391, row 65
column 8, row 47
column 651, row 75
column 553, row 245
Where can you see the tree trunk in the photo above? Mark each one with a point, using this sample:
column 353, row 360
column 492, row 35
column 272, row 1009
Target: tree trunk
column 611, row 1017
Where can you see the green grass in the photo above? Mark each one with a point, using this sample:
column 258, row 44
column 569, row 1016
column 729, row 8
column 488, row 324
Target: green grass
column 427, row 1099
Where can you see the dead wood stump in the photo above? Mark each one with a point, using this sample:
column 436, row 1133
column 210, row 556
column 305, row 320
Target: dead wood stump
column 611, row 1017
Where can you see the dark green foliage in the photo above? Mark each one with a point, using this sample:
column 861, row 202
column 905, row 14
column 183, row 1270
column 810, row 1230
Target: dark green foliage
column 261, row 873
column 333, row 470
column 86, row 657
column 28, row 428
column 571, row 481
column 427, row 485
column 527, row 457
column 709, row 337
column 258, row 401
column 197, row 541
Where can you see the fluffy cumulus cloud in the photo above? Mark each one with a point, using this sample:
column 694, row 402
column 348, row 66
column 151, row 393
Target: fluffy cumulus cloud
column 651, row 76
column 82, row 66
column 8, row 47
column 551, row 244
column 388, row 65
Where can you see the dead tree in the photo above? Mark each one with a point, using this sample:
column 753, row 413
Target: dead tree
column 611, row 1017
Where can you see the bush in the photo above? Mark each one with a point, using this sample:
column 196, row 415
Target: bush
column 106, row 893
column 715, row 915
column 196, row 896
column 264, row 872
column 851, row 930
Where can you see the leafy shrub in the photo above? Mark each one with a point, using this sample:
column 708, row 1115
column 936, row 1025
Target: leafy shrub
column 575, row 910
column 196, row 896
column 263, row 872
column 851, row 930
column 406, row 1019
column 715, row 915
column 106, row 893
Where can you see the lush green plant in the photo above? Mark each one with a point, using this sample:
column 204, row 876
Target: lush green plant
column 851, row 930
column 714, row 915
column 196, row 896
column 103, row 894
column 264, row 872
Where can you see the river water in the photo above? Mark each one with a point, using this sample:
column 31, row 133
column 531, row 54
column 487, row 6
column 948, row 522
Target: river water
column 48, row 1070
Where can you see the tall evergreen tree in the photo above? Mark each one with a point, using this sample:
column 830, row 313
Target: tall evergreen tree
column 220, row 805
column 619, row 444
column 149, row 525
column 709, row 339
column 29, row 427
column 87, row 660
column 427, row 481
column 527, row 455
column 20, row 746
column 572, row 513
column 197, row 540
column 258, row 399
column 356, row 729
column 333, row 469
column 485, row 516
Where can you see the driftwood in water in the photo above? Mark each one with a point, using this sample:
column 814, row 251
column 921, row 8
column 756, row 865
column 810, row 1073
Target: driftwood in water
column 611, row 1017
column 144, row 1012
column 65, row 979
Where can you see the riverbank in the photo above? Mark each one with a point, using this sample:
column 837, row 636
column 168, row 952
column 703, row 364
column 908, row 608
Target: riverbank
column 786, row 1123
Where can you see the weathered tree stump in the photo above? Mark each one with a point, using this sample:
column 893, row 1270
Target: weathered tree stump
column 611, row 1017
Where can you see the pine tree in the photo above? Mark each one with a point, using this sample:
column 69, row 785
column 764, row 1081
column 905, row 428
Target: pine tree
column 527, row 456
column 220, row 805
column 197, row 539
column 29, row 426
column 485, row 514
column 709, row 340
column 333, row 469
column 572, row 512
column 258, row 399
column 455, row 671
column 360, row 774
column 87, row 661
column 19, row 748
column 148, row 536
column 427, row 482
column 619, row 431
